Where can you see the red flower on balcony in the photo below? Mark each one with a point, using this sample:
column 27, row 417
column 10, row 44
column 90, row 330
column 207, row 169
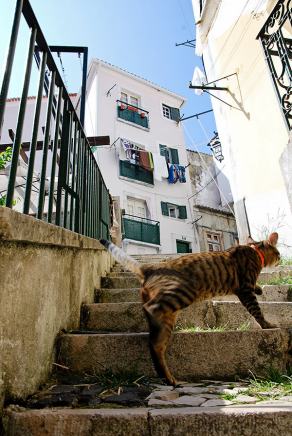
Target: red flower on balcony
column 142, row 115
column 133, row 108
column 123, row 106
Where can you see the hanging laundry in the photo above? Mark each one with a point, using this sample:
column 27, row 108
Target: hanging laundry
column 177, row 173
column 173, row 173
column 131, row 151
column 145, row 160
column 181, row 173
column 160, row 167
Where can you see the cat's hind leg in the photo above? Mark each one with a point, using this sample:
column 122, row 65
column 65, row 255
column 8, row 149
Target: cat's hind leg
column 248, row 299
column 160, row 329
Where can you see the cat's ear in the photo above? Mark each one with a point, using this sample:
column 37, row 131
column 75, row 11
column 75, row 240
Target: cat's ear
column 250, row 240
column 273, row 239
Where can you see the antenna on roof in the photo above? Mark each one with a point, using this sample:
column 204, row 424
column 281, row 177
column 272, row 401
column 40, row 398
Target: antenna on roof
column 189, row 43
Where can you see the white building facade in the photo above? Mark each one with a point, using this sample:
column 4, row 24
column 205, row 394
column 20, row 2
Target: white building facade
column 144, row 167
column 246, row 41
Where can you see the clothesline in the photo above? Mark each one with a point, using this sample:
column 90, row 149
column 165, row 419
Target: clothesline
column 154, row 162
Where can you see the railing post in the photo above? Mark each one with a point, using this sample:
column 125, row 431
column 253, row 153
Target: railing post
column 34, row 136
column 20, row 121
column 45, row 147
column 10, row 59
column 83, row 88
column 54, row 158
column 63, row 161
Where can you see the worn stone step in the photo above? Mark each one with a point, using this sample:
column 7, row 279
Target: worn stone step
column 129, row 317
column 120, row 281
column 117, row 295
column 121, row 274
column 188, row 421
column 280, row 293
column 190, row 355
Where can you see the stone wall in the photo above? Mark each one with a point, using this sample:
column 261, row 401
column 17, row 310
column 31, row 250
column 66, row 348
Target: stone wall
column 46, row 273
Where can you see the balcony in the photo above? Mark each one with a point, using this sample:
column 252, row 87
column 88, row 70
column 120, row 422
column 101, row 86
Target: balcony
column 141, row 229
column 133, row 114
column 134, row 172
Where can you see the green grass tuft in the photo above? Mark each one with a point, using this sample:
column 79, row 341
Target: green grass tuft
column 224, row 328
column 280, row 281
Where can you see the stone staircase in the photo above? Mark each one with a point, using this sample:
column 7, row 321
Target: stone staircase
column 113, row 336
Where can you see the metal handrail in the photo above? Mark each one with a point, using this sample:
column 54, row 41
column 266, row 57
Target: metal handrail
column 140, row 218
column 81, row 201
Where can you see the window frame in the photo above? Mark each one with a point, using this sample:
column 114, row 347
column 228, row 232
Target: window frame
column 213, row 240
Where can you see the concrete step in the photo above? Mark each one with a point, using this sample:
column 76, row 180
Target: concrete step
column 120, row 282
column 280, row 293
column 117, row 295
column 222, row 355
column 129, row 317
column 119, row 279
column 189, row 421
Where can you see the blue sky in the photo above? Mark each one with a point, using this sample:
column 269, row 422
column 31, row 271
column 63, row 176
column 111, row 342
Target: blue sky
column 134, row 35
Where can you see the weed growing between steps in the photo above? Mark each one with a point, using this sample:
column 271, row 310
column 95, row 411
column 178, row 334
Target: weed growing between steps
column 278, row 281
column 195, row 329
column 273, row 387
column 281, row 281
column 286, row 261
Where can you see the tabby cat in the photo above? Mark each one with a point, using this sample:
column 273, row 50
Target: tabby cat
column 172, row 285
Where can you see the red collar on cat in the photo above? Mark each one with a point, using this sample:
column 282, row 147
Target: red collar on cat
column 260, row 254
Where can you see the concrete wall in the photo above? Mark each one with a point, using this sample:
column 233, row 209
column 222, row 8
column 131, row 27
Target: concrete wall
column 254, row 135
column 46, row 274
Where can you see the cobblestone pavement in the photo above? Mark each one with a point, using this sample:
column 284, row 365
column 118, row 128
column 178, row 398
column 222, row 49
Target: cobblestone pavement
column 206, row 393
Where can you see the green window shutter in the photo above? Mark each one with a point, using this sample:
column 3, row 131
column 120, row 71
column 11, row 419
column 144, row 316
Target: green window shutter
column 164, row 208
column 174, row 156
column 182, row 212
column 174, row 114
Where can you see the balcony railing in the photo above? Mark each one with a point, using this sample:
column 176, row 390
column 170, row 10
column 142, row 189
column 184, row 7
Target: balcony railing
column 69, row 190
column 135, row 172
column 276, row 40
column 141, row 229
column 133, row 114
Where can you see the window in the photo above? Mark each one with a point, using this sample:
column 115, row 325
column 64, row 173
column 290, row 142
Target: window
column 213, row 241
column 124, row 97
column 134, row 101
column 171, row 154
column 128, row 109
column 166, row 111
column 130, row 99
column 172, row 113
column 136, row 207
column 173, row 210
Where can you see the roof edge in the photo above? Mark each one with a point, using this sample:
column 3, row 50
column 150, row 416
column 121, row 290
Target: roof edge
column 105, row 64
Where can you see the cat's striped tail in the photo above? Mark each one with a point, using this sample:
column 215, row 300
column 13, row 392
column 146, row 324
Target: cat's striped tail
column 122, row 257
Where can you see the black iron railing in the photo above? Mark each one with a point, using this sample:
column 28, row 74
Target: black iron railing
column 69, row 190
column 141, row 229
column 276, row 40
column 133, row 114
